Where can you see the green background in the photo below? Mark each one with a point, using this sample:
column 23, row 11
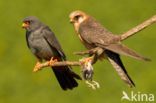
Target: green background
column 19, row 85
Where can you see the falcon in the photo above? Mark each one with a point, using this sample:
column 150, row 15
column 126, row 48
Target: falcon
column 93, row 35
column 44, row 45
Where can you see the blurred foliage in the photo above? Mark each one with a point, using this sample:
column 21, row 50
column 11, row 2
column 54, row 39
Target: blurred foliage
column 19, row 85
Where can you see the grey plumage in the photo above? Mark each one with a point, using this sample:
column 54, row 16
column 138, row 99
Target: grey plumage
column 44, row 45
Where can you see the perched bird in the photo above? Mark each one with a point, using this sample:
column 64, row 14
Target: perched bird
column 92, row 34
column 45, row 46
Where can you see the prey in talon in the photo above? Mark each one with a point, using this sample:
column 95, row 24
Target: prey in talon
column 87, row 73
column 44, row 45
column 87, row 68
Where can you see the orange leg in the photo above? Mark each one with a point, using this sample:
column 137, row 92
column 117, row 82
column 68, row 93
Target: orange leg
column 37, row 67
column 86, row 60
column 52, row 61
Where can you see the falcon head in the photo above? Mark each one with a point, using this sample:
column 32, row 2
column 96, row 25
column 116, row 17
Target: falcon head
column 31, row 23
column 77, row 17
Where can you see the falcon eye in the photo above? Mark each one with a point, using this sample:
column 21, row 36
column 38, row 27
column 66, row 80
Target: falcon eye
column 27, row 22
column 77, row 17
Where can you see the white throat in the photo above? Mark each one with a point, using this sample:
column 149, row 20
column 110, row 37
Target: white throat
column 81, row 20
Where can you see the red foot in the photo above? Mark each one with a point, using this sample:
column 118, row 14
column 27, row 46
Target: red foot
column 86, row 60
column 52, row 61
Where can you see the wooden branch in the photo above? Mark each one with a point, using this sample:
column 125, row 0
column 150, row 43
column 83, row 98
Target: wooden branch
column 62, row 63
column 138, row 28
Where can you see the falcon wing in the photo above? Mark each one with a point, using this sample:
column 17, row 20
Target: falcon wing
column 52, row 41
column 96, row 35
column 121, row 49
column 93, row 32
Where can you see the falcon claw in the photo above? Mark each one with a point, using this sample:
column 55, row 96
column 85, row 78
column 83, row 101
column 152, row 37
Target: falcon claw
column 86, row 60
column 52, row 61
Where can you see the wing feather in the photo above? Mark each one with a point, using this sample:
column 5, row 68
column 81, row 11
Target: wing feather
column 52, row 40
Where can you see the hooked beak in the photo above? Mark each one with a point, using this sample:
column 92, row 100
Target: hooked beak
column 25, row 25
column 71, row 21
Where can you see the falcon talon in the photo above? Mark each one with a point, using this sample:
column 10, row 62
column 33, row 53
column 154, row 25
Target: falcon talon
column 85, row 60
column 52, row 61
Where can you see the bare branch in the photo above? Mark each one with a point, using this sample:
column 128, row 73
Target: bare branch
column 138, row 28
column 61, row 63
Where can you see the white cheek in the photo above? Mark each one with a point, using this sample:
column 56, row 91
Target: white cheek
column 77, row 24
column 81, row 20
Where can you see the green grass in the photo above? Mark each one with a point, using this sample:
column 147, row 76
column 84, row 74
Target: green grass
column 19, row 85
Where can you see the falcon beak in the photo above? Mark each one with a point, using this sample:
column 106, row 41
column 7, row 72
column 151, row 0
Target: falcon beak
column 71, row 21
column 25, row 25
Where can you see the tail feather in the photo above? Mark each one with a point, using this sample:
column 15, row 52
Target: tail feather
column 121, row 49
column 66, row 77
column 119, row 67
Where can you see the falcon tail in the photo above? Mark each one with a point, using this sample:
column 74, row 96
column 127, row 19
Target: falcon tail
column 119, row 67
column 121, row 49
column 66, row 77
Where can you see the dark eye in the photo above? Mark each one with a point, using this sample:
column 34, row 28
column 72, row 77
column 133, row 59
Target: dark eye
column 77, row 17
column 27, row 22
